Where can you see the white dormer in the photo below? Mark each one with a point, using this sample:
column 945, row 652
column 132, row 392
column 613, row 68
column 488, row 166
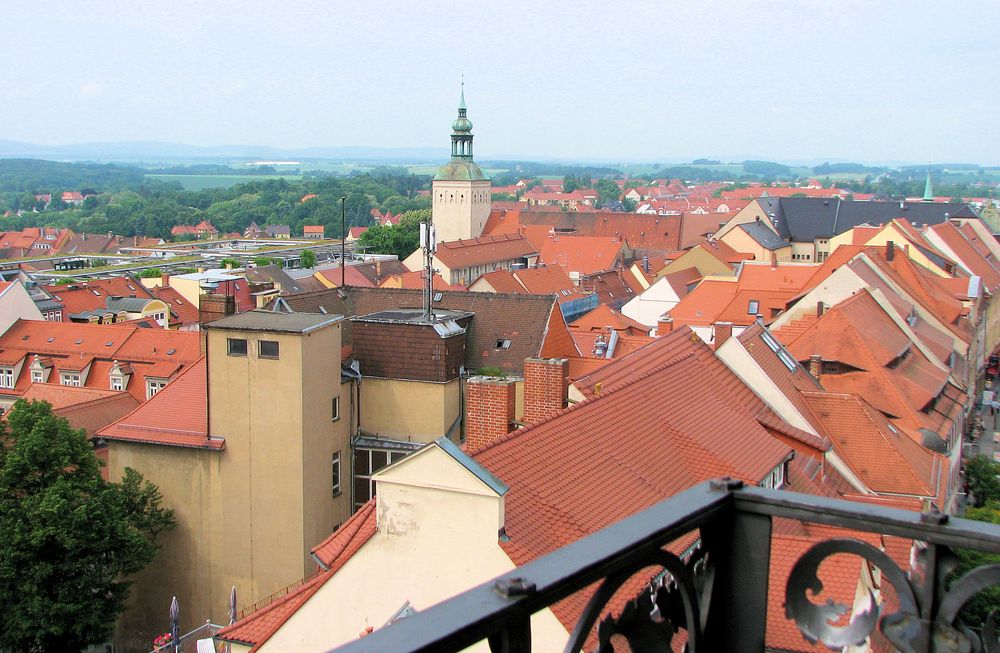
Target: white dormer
column 40, row 369
column 119, row 375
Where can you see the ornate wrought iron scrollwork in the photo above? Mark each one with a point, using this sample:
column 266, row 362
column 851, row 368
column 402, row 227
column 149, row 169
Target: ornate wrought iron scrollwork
column 676, row 599
column 904, row 628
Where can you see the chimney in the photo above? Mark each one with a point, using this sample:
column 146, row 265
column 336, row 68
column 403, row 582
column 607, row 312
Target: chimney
column 774, row 260
column 489, row 409
column 164, row 279
column 816, row 366
column 890, row 250
column 546, row 387
column 820, row 307
column 645, row 264
column 723, row 331
column 211, row 308
column 664, row 325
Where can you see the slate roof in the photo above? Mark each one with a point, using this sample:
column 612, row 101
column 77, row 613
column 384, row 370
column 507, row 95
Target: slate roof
column 804, row 219
column 532, row 323
column 763, row 236
column 276, row 275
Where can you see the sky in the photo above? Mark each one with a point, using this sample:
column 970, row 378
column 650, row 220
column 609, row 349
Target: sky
column 806, row 80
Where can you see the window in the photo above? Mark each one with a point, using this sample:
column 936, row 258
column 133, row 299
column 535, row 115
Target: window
column 71, row 378
column 237, row 346
column 153, row 386
column 752, row 307
column 37, row 376
column 117, row 383
column 335, row 412
column 6, row 377
column 335, row 468
column 366, row 463
column 503, row 343
column 268, row 348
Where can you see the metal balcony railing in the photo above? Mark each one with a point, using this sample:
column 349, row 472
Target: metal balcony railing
column 717, row 596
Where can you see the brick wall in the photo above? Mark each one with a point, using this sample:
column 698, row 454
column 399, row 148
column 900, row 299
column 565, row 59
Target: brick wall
column 546, row 387
column 210, row 308
column 489, row 409
column 407, row 351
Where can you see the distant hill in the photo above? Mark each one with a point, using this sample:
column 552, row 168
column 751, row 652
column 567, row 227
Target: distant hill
column 156, row 151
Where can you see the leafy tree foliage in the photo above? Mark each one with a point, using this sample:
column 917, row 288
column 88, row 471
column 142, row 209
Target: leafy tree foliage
column 308, row 258
column 607, row 189
column 978, row 608
column 67, row 537
column 401, row 239
column 981, row 475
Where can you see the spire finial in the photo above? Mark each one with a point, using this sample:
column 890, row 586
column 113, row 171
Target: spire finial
column 461, row 101
column 928, row 189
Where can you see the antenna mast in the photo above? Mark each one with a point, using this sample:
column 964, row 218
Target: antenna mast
column 428, row 243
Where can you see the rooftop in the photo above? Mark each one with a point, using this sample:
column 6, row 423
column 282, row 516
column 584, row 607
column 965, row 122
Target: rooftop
column 262, row 320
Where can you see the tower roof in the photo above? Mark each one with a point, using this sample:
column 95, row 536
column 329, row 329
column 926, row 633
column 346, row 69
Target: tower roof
column 928, row 189
column 462, row 167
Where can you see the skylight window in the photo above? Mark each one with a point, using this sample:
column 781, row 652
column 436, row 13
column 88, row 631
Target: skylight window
column 753, row 306
column 769, row 340
column 503, row 343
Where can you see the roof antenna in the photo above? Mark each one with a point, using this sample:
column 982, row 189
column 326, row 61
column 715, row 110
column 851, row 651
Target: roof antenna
column 428, row 243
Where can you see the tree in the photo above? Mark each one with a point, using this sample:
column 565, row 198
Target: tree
column 974, row 612
column 401, row 239
column 981, row 475
column 67, row 537
column 308, row 258
column 607, row 189
column 151, row 273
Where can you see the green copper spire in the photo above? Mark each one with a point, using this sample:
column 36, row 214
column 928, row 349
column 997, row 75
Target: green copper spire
column 462, row 166
column 461, row 101
column 928, row 190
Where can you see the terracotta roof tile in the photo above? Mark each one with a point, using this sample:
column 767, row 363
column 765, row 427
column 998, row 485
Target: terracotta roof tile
column 89, row 409
column 177, row 415
column 582, row 254
column 484, row 250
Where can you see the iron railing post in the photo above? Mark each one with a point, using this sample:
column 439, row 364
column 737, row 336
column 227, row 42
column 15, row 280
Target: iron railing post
column 739, row 548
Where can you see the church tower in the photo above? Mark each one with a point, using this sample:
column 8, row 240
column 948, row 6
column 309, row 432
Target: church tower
column 460, row 192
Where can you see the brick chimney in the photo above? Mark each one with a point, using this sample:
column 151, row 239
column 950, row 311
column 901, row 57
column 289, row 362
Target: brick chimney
column 723, row 331
column 211, row 308
column 546, row 387
column 816, row 366
column 890, row 252
column 164, row 279
column 664, row 325
column 489, row 409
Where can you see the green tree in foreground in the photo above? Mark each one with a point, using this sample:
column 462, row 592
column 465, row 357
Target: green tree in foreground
column 67, row 537
column 308, row 258
column 981, row 475
column 401, row 239
column 974, row 612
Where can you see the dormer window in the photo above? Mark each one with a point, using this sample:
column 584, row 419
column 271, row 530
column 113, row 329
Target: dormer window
column 6, row 377
column 153, row 386
column 70, row 379
column 120, row 375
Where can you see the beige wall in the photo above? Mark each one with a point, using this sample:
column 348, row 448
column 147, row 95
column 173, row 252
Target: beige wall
column 420, row 411
column 697, row 258
column 276, row 418
column 459, row 208
column 15, row 304
column 437, row 536
column 189, row 480
column 742, row 242
column 749, row 213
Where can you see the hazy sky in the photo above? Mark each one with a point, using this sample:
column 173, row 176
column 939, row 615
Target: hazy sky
column 914, row 80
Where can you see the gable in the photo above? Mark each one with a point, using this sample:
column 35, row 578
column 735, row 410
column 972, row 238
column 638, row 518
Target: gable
column 432, row 467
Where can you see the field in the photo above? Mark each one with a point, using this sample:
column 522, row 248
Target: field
column 201, row 182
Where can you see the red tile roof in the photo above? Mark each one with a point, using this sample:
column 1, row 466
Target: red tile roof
column 71, row 346
column 92, row 295
column 175, row 416
column 182, row 312
column 89, row 409
column 604, row 317
column 971, row 253
column 887, row 461
column 671, row 423
column 458, row 254
column 582, row 254
column 416, row 279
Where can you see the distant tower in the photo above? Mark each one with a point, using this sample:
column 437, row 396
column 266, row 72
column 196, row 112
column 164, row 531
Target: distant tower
column 928, row 190
column 461, row 192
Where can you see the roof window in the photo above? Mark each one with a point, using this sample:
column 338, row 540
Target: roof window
column 753, row 306
column 503, row 343
column 50, row 339
column 171, row 351
column 78, row 341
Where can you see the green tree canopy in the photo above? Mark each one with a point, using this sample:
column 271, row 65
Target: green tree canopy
column 981, row 475
column 401, row 239
column 308, row 258
column 68, row 538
